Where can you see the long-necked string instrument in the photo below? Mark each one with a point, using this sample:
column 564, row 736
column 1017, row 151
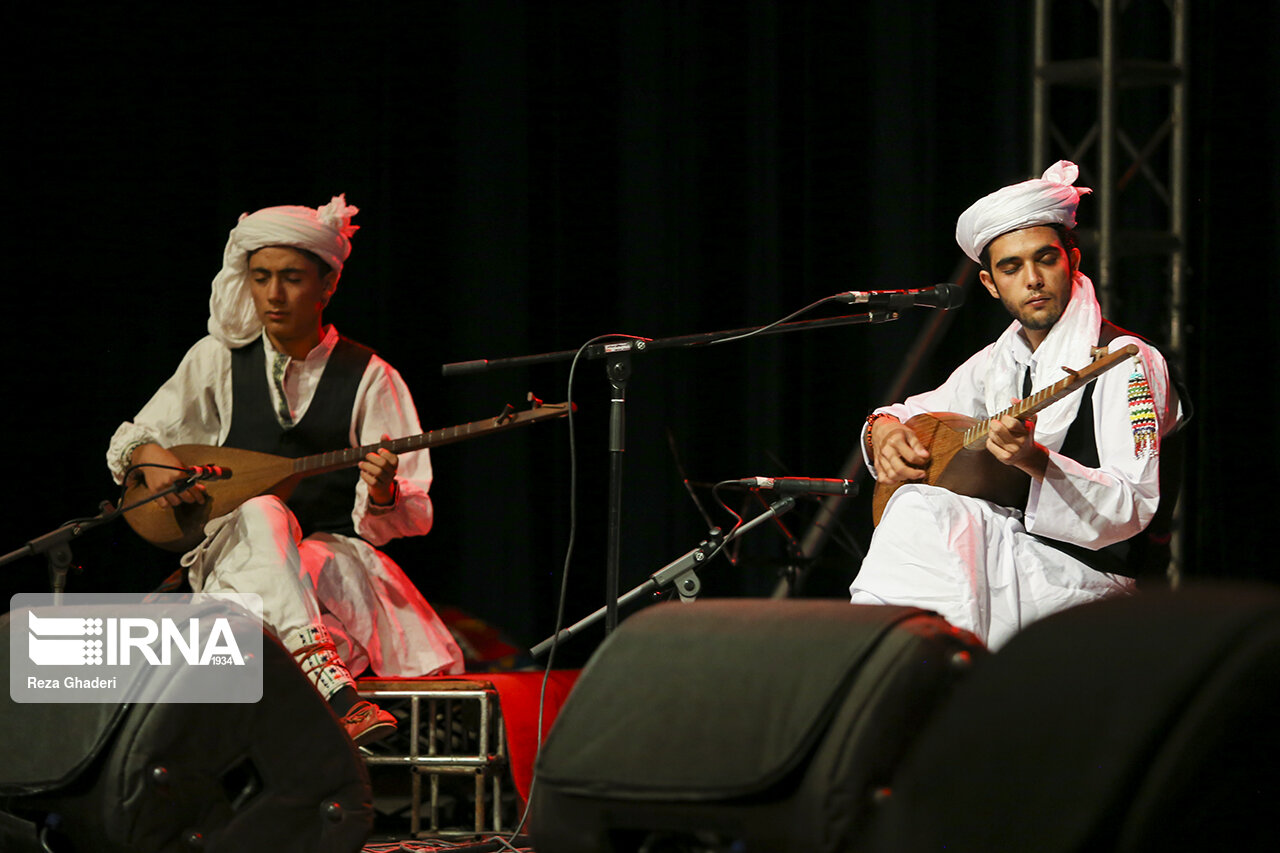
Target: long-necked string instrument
column 958, row 457
column 182, row 527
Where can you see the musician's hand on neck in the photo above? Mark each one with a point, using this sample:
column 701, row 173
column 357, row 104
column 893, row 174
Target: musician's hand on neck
column 1012, row 441
column 378, row 470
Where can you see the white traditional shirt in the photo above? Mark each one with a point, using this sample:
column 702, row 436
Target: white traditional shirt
column 194, row 407
column 1091, row 507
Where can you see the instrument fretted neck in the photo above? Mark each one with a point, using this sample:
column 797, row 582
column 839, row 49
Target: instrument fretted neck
column 181, row 528
column 322, row 463
column 1053, row 393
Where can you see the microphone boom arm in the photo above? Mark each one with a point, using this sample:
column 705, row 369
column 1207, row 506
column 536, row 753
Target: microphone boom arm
column 678, row 573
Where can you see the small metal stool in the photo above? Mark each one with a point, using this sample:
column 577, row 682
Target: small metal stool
column 460, row 734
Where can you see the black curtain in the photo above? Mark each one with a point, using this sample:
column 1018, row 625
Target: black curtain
column 534, row 175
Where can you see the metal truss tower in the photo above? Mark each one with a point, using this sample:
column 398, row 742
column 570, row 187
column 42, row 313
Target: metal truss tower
column 1118, row 107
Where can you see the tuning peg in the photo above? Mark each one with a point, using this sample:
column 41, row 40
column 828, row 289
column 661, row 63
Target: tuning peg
column 534, row 402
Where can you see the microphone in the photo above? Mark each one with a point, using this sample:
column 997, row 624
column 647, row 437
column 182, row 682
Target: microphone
column 800, row 485
column 944, row 296
column 206, row 472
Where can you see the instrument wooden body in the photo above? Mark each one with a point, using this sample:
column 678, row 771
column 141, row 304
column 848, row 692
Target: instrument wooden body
column 182, row 528
column 966, row 470
column 958, row 457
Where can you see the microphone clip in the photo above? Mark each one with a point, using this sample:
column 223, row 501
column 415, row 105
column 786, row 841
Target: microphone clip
column 199, row 473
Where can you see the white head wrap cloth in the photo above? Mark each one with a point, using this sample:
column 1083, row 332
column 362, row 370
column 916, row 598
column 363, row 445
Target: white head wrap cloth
column 326, row 232
column 1050, row 200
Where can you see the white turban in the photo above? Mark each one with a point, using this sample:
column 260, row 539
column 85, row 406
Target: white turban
column 1051, row 200
column 326, row 232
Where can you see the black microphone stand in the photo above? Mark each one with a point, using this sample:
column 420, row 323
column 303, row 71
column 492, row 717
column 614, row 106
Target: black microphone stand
column 679, row 573
column 56, row 544
column 618, row 368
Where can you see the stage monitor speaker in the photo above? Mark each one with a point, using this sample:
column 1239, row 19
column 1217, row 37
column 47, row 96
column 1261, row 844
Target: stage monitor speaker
column 771, row 724
column 1133, row 724
column 277, row 775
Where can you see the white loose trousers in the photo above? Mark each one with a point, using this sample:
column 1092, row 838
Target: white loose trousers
column 973, row 563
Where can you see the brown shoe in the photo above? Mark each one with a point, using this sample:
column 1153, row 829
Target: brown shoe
column 366, row 722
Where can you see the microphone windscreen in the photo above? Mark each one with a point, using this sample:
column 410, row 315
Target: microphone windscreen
column 950, row 295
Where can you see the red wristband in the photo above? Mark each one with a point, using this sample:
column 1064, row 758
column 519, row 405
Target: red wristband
column 871, row 420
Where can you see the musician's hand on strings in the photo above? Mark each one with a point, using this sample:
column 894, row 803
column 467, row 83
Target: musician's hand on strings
column 899, row 453
column 1013, row 441
column 160, row 478
column 378, row 470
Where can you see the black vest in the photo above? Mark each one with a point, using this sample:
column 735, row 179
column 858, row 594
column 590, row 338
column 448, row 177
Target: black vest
column 1145, row 555
column 322, row 503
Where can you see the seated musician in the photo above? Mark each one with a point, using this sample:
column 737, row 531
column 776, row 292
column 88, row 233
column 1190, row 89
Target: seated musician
column 1092, row 457
column 271, row 377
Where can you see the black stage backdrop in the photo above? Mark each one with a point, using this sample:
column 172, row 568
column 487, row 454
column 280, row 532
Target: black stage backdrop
column 533, row 175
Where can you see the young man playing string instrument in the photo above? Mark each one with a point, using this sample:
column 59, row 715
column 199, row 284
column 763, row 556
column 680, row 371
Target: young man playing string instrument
column 272, row 377
column 1092, row 458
